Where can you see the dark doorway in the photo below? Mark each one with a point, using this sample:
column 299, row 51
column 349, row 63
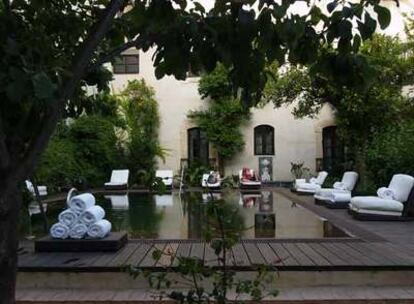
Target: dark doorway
column 333, row 150
column 197, row 147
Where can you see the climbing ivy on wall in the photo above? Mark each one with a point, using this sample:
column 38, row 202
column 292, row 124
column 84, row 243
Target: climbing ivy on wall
column 225, row 115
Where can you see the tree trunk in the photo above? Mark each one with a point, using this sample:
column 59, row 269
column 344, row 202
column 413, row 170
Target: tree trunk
column 361, row 166
column 10, row 202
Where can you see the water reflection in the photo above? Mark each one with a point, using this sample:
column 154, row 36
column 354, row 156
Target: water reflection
column 265, row 214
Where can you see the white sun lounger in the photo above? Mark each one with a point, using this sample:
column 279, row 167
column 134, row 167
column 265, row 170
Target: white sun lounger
column 206, row 184
column 249, row 185
column 377, row 208
column 34, row 208
column 167, row 177
column 119, row 202
column 303, row 187
column 42, row 189
column 119, row 180
column 339, row 196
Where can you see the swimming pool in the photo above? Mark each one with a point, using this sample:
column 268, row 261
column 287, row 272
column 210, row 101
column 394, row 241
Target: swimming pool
column 266, row 214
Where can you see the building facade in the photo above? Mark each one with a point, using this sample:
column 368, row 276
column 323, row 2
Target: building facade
column 273, row 137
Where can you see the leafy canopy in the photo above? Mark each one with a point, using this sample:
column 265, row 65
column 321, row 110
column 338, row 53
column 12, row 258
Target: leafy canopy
column 360, row 115
column 52, row 50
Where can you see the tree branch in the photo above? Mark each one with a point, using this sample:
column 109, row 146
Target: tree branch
column 137, row 43
column 79, row 65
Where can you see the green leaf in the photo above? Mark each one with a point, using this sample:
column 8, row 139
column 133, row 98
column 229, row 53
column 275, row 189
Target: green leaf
column 198, row 7
column 384, row 16
column 43, row 86
column 367, row 28
column 332, row 5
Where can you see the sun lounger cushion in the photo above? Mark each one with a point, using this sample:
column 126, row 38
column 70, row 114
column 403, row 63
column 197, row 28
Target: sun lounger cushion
column 118, row 178
column 42, row 189
column 401, row 185
column 376, row 203
column 248, row 178
column 313, row 182
column 211, row 180
column 341, row 191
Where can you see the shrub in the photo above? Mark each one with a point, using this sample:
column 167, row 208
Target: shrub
column 59, row 167
column 391, row 152
column 97, row 147
column 142, row 119
column 82, row 154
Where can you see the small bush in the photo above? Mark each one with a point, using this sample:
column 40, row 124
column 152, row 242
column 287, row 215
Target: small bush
column 391, row 152
column 59, row 167
column 82, row 154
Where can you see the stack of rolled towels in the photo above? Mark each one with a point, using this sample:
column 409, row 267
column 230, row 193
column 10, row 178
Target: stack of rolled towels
column 82, row 218
column 386, row 193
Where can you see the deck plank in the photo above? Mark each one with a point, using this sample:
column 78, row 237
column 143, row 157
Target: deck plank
column 120, row 259
column 328, row 255
column 286, row 258
column 168, row 256
column 375, row 255
column 148, row 260
column 138, row 255
column 317, row 258
column 394, row 253
column 254, row 254
column 183, row 250
column 269, row 255
column 348, row 259
column 360, row 257
column 197, row 250
column 302, row 258
column 240, row 256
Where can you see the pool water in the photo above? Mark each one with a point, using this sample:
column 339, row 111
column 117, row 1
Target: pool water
column 266, row 214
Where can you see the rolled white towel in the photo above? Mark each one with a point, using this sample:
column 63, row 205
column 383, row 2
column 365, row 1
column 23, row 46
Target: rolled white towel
column 78, row 231
column 59, row 231
column 81, row 202
column 68, row 217
column 100, row 229
column 386, row 193
column 92, row 215
column 339, row 186
column 313, row 180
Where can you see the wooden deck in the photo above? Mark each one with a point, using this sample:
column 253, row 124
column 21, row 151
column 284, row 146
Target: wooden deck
column 292, row 255
column 376, row 246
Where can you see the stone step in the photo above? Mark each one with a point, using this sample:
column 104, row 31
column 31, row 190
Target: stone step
column 378, row 294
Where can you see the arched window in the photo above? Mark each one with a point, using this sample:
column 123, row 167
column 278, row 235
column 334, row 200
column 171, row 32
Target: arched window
column 197, row 146
column 264, row 140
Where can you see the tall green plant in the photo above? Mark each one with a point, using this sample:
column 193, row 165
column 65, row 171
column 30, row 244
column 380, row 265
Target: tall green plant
column 391, row 152
column 225, row 114
column 142, row 120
